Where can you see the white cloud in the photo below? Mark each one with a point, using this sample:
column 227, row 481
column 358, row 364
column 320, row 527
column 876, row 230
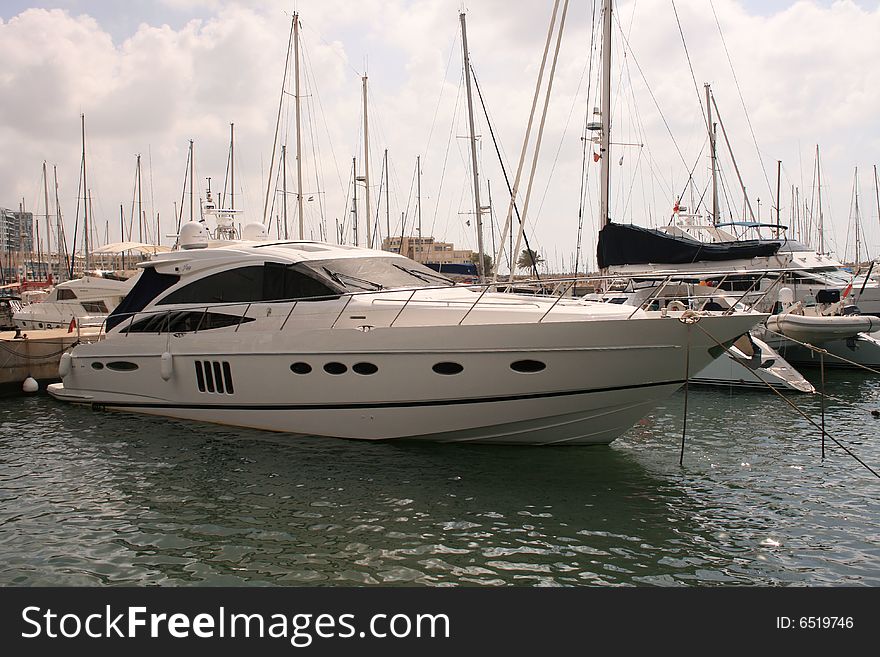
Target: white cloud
column 807, row 74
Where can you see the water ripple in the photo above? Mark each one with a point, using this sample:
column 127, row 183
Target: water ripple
column 94, row 498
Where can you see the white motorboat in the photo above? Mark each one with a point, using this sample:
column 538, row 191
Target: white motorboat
column 312, row 338
column 818, row 329
column 849, row 338
column 87, row 300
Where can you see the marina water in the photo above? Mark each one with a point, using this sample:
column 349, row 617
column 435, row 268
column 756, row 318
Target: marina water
column 92, row 498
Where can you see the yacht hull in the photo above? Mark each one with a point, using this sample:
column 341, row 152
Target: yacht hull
column 564, row 382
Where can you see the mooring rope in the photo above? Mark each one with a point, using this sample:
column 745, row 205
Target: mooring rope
column 798, row 410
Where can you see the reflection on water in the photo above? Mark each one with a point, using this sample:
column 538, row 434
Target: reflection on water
column 106, row 498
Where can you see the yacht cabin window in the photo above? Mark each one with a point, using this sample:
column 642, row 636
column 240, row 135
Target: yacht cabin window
column 267, row 282
column 65, row 294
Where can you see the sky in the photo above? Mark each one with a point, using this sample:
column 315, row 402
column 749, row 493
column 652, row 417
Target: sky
column 151, row 76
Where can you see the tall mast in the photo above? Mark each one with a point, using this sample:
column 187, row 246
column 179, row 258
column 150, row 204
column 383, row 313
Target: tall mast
column 877, row 191
column 714, row 155
column 354, row 200
column 191, row 196
column 419, row 204
column 299, row 171
column 605, row 115
column 284, row 188
column 140, row 202
column 478, row 210
column 778, row 199
column 387, row 200
column 367, row 168
column 858, row 219
column 85, row 198
column 819, row 185
column 59, row 228
column 48, row 233
column 266, row 216
column 232, row 166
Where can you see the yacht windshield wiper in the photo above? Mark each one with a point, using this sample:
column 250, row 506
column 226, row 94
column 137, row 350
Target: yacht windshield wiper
column 423, row 276
column 338, row 276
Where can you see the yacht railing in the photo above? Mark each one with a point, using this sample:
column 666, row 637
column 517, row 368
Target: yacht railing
column 692, row 291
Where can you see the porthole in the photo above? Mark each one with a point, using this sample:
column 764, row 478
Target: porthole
column 448, row 368
column 335, row 368
column 365, row 368
column 97, row 366
column 300, row 368
column 527, row 366
column 122, row 366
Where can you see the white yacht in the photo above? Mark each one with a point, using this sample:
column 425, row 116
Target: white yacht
column 87, row 300
column 318, row 339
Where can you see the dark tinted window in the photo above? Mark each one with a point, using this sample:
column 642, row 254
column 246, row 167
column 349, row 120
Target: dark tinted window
column 150, row 285
column 94, row 307
column 269, row 282
column 184, row 322
column 65, row 294
column 376, row 273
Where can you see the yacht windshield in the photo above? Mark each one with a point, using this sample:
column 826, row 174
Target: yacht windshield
column 369, row 274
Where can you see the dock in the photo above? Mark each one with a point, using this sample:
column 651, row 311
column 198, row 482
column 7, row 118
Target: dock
column 36, row 354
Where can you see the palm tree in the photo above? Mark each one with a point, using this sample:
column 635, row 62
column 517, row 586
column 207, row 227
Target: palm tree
column 528, row 259
column 487, row 263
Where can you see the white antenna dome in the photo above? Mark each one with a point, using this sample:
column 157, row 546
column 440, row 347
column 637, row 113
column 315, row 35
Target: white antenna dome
column 193, row 235
column 786, row 296
column 255, row 232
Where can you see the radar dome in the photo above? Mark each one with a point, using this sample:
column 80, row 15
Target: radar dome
column 193, row 235
column 255, row 232
column 786, row 296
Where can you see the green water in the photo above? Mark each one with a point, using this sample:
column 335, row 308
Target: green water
column 90, row 498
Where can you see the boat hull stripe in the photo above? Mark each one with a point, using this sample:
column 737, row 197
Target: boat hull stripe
column 365, row 405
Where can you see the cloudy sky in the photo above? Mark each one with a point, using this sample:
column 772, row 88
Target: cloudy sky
column 151, row 75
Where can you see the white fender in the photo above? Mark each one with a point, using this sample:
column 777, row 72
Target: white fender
column 166, row 366
column 30, row 385
column 64, row 365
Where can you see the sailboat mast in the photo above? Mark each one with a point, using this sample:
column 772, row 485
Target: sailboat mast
column 857, row 218
column 821, row 217
column 284, row 188
column 48, row 232
column 85, row 198
column 387, row 200
column 419, row 204
column 140, row 202
column 299, row 173
column 354, row 201
column 232, row 166
column 714, row 154
column 473, row 138
column 877, row 191
column 367, row 168
column 605, row 115
column 191, row 195
column 778, row 198
column 59, row 228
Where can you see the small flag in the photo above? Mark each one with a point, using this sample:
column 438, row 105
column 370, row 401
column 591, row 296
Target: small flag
column 596, row 157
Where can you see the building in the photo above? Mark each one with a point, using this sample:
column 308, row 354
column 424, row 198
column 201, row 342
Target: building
column 427, row 250
column 16, row 231
column 16, row 244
